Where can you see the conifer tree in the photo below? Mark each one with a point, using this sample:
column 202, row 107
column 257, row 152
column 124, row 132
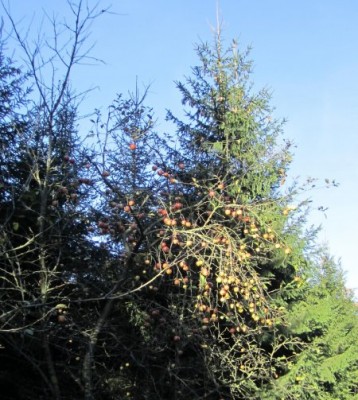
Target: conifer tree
column 214, row 255
column 134, row 266
column 325, row 319
column 46, row 256
column 223, row 256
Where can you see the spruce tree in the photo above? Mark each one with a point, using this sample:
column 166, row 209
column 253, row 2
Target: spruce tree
column 222, row 259
column 325, row 319
column 213, row 258
column 137, row 266
column 47, row 257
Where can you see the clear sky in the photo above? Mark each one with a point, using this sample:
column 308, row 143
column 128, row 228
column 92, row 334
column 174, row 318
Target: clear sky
column 305, row 51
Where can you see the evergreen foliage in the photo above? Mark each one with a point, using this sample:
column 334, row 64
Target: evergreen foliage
column 133, row 267
column 325, row 319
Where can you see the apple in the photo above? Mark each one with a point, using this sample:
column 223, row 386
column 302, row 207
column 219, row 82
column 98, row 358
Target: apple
column 177, row 206
column 61, row 318
column 205, row 271
column 167, row 221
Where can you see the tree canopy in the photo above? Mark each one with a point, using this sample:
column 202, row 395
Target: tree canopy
column 137, row 266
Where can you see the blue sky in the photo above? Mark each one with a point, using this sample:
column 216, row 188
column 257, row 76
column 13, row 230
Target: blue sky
column 305, row 51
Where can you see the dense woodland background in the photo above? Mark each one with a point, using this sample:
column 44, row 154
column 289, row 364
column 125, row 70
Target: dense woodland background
column 137, row 264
